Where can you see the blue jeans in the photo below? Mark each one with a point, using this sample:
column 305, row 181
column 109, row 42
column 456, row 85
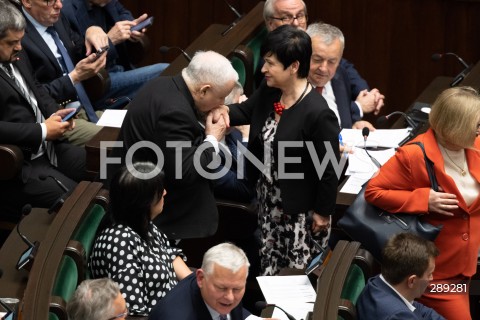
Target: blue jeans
column 126, row 83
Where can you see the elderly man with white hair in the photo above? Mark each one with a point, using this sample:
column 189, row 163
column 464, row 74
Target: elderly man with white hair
column 170, row 123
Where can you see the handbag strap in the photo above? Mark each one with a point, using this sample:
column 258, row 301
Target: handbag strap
column 429, row 165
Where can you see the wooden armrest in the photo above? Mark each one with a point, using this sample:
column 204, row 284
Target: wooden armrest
column 250, row 207
column 58, row 306
column 11, row 160
column 76, row 251
column 347, row 310
column 102, row 198
column 98, row 85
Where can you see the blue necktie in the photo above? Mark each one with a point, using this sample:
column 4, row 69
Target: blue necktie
column 82, row 95
column 223, row 317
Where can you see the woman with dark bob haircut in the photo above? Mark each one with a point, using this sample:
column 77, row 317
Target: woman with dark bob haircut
column 292, row 131
column 130, row 249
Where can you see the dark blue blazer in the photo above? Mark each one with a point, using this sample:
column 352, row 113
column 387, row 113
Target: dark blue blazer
column 45, row 66
column 378, row 301
column 229, row 186
column 342, row 89
column 185, row 302
column 82, row 15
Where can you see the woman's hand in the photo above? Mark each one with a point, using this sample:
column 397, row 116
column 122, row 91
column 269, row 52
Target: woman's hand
column 441, row 202
column 320, row 223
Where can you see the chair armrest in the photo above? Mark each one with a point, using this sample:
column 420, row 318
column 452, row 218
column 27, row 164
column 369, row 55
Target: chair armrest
column 245, row 55
column 11, row 160
column 58, row 306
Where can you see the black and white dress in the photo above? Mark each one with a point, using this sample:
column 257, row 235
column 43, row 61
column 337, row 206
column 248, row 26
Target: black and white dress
column 285, row 241
column 143, row 271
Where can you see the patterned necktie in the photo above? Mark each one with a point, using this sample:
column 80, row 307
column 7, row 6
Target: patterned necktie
column 7, row 67
column 319, row 90
column 222, row 317
column 68, row 64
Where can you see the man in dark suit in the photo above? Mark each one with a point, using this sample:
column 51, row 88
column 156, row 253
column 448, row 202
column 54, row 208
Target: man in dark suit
column 213, row 292
column 51, row 69
column 332, row 80
column 408, row 262
column 116, row 21
column 170, row 121
column 294, row 12
column 31, row 119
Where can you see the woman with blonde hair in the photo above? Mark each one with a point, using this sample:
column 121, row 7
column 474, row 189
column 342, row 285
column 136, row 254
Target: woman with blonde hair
column 402, row 185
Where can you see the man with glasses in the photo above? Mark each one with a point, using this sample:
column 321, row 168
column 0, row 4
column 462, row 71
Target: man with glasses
column 98, row 299
column 294, row 12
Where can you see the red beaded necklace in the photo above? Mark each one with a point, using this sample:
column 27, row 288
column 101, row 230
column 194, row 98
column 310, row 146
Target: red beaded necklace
column 279, row 107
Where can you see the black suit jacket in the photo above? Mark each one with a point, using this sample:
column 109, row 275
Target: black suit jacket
column 46, row 67
column 230, row 186
column 163, row 113
column 378, row 301
column 311, row 121
column 18, row 122
column 185, row 302
column 347, row 108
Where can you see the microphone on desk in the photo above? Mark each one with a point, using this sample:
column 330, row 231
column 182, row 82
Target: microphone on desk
column 234, row 23
column 59, row 202
column 233, row 9
column 25, row 212
column 365, row 133
column 383, row 119
column 260, row 305
column 26, row 258
column 459, row 78
column 165, row 49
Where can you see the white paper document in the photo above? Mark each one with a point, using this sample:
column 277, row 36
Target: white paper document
column 112, row 118
column 294, row 294
column 386, row 138
column 355, row 182
column 360, row 162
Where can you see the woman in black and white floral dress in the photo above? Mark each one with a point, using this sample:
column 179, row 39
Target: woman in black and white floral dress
column 131, row 250
column 295, row 136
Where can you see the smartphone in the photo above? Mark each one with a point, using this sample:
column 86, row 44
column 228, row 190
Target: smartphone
column 318, row 261
column 101, row 51
column 74, row 104
column 145, row 23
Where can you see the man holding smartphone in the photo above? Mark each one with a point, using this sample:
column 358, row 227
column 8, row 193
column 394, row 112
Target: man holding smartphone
column 32, row 120
column 120, row 26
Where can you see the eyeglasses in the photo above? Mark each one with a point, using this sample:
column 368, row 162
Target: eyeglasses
column 121, row 315
column 301, row 18
column 51, row 3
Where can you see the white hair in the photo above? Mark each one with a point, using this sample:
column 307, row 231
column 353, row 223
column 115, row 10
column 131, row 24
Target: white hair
column 209, row 67
column 327, row 32
column 226, row 255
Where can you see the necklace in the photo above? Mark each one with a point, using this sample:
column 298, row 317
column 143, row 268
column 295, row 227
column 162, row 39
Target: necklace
column 279, row 107
column 462, row 170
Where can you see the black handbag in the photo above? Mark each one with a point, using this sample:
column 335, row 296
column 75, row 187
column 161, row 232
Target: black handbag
column 372, row 226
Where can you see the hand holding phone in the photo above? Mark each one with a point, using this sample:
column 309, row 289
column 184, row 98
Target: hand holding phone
column 76, row 106
column 144, row 24
column 101, row 51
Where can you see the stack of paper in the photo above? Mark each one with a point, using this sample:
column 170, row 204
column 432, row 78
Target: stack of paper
column 294, row 294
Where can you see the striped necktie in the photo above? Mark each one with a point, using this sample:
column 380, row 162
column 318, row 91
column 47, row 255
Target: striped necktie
column 67, row 64
column 7, row 68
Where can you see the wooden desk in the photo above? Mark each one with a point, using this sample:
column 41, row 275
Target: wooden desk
column 92, row 148
column 212, row 38
column 34, row 227
column 428, row 95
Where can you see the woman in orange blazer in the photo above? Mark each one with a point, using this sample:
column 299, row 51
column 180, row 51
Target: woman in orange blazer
column 402, row 185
